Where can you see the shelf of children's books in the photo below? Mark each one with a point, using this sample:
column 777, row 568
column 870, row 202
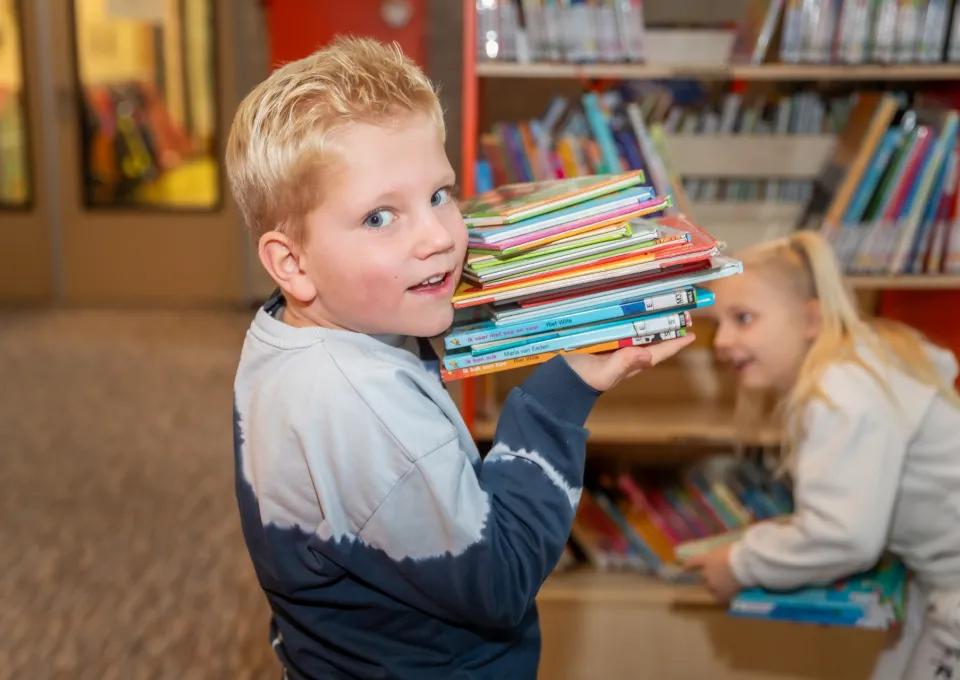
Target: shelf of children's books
column 906, row 282
column 645, row 422
column 762, row 72
column 583, row 585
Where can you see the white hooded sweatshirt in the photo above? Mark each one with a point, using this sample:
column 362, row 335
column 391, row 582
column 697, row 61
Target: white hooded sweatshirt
column 869, row 475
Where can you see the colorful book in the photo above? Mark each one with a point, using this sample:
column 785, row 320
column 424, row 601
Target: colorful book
column 718, row 267
column 448, row 375
column 873, row 599
column 489, row 331
column 564, row 342
column 596, row 211
column 513, row 202
column 526, row 242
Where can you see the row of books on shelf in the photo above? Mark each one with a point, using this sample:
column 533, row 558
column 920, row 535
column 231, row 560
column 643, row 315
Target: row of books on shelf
column 796, row 31
column 561, row 30
column 798, row 113
column 601, row 133
column 649, row 522
column 587, row 264
column 888, row 199
column 853, row 31
column 625, row 129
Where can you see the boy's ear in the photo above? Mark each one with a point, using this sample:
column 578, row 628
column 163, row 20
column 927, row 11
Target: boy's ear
column 281, row 258
column 813, row 319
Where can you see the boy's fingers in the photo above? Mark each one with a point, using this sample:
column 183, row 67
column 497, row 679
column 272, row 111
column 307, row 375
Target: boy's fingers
column 693, row 563
column 634, row 358
column 666, row 349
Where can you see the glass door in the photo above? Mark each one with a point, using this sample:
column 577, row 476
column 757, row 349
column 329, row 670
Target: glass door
column 148, row 91
column 26, row 272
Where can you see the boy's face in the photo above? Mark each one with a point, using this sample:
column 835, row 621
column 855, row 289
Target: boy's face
column 385, row 249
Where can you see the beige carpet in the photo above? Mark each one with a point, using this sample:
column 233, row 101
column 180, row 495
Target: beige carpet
column 120, row 548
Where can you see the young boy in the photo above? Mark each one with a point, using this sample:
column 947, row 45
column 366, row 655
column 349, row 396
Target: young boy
column 385, row 546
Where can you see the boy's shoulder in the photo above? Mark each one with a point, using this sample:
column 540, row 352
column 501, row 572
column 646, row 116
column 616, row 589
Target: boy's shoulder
column 342, row 380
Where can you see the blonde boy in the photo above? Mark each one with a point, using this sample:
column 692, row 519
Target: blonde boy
column 385, row 546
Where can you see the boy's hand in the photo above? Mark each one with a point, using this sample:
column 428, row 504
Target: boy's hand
column 603, row 371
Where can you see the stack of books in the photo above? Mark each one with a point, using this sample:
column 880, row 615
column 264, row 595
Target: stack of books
column 575, row 265
column 874, row 599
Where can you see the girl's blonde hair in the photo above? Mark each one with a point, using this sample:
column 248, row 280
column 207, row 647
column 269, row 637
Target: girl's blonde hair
column 803, row 264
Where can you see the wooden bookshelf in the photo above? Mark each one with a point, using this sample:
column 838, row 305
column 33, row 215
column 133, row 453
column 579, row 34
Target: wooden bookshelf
column 648, row 422
column 611, row 624
column 585, row 586
column 765, row 72
column 906, row 282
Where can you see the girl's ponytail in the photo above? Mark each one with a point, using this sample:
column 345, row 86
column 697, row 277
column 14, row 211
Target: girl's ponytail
column 827, row 284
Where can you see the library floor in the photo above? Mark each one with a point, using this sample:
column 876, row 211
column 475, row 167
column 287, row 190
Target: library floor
column 120, row 548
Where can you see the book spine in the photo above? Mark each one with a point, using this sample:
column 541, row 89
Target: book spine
column 646, row 327
column 448, row 375
column 492, row 333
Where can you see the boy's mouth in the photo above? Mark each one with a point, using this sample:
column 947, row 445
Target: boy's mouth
column 433, row 284
column 741, row 364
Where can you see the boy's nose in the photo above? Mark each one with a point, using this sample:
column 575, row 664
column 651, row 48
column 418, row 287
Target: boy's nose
column 434, row 237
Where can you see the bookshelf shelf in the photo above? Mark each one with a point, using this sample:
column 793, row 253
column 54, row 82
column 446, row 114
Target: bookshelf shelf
column 648, row 422
column 905, row 282
column 584, row 585
column 763, row 72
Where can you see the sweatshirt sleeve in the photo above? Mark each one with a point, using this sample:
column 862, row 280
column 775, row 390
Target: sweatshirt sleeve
column 474, row 544
column 848, row 471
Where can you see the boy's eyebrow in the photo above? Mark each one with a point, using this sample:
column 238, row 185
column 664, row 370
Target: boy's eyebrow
column 392, row 194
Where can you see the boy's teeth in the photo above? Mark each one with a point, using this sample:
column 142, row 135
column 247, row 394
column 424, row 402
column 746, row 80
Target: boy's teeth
column 432, row 280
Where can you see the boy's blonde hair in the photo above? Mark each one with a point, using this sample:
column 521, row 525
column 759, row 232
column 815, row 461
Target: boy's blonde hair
column 804, row 265
column 279, row 143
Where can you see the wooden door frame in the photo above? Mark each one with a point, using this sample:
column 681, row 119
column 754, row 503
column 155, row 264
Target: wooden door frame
column 143, row 257
column 26, row 236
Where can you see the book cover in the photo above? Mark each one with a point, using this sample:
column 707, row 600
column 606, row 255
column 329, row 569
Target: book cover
column 616, row 204
column 872, row 599
column 489, row 331
column 646, row 327
column 513, row 202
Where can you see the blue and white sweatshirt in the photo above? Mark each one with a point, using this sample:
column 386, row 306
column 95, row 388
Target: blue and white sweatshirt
column 386, row 547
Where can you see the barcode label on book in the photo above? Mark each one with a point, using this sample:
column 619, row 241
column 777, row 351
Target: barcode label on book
column 660, row 324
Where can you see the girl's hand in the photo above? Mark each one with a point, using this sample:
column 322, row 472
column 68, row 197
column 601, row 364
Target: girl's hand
column 717, row 573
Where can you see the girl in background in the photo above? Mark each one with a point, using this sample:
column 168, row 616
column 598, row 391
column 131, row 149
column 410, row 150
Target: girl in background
column 872, row 444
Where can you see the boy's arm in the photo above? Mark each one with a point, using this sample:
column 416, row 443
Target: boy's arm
column 474, row 546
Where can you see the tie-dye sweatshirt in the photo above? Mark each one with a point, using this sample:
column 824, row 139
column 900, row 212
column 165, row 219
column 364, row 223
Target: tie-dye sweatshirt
column 386, row 547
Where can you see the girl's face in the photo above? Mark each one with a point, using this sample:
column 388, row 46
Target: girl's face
column 763, row 331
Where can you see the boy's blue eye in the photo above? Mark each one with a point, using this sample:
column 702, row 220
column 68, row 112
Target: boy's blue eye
column 379, row 219
column 744, row 317
column 440, row 197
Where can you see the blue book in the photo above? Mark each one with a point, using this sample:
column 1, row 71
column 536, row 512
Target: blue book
column 721, row 266
column 892, row 140
column 489, row 331
column 641, row 331
column 872, row 599
column 656, row 322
